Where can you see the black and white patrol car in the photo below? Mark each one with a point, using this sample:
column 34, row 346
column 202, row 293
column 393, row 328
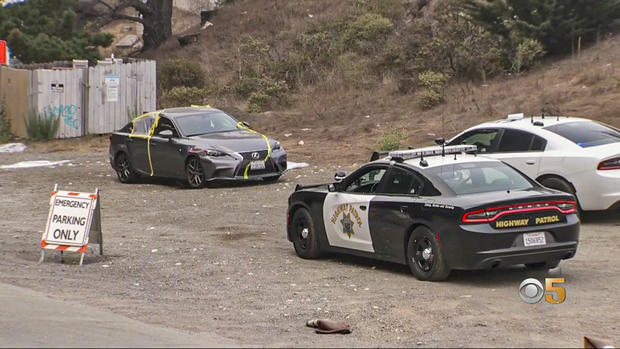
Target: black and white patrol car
column 436, row 209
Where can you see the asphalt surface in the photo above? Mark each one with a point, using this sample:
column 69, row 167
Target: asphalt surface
column 32, row 319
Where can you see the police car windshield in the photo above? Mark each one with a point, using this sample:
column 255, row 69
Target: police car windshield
column 586, row 134
column 203, row 123
column 480, row 177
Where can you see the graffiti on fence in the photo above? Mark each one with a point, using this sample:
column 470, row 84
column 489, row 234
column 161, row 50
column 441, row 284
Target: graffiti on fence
column 67, row 112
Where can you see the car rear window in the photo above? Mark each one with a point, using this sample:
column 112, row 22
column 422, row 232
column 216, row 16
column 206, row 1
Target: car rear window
column 586, row 134
column 480, row 177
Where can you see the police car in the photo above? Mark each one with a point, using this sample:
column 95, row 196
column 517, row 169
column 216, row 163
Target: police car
column 436, row 209
column 571, row 154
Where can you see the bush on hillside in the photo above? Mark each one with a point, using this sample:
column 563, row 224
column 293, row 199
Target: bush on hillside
column 392, row 141
column 433, row 84
column 183, row 96
column 179, row 73
column 527, row 55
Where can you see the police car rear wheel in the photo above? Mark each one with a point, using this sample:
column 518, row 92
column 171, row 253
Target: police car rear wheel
column 561, row 185
column 125, row 173
column 425, row 256
column 304, row 236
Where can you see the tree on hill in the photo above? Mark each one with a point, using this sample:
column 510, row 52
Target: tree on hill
column 557, row 24
column 154, row 15
column 44, row 31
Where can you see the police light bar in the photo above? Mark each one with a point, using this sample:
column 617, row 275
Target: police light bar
column 429, row 151
column 513, row 117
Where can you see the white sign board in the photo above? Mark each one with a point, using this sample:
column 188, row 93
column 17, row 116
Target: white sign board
column 112, row 83
column 69, row 219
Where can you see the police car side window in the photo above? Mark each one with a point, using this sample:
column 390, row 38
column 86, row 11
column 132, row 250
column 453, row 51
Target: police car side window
column 486, row 139
column 366, row 182
column 515, row 141
column 402, row 182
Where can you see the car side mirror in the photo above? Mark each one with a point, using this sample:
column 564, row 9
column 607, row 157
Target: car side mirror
column 246, row 124
column 339, row 176
column 331, row 187
column 166, row 134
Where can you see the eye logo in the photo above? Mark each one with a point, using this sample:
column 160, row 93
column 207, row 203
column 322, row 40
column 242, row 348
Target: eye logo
column 531, row 291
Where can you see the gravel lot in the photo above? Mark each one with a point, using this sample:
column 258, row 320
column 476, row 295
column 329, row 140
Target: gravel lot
column 217, row 260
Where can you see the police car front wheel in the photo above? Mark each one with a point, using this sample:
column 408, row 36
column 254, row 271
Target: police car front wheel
column 304, row 236
column 425, row 256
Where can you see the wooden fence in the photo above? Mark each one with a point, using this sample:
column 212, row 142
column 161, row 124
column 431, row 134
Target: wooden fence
column 93, row 100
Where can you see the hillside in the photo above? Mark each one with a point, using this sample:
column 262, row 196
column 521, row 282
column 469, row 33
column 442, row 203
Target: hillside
column 337, row 118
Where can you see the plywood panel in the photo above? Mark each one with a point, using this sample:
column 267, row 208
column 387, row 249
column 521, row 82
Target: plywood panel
column 14, row 94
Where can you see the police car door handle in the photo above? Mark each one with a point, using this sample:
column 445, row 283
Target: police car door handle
column 404, row 209
column 530, row 162
column 362, row 207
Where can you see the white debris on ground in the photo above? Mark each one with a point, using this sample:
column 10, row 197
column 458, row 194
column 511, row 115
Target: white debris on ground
column 13, row 148
column 293, row 165
column 35, row 163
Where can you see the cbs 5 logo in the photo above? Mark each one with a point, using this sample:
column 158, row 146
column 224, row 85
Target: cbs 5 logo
column 531, row 291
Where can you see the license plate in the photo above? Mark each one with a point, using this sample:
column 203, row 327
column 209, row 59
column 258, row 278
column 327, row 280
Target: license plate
column 534, row 239
column 257, row 165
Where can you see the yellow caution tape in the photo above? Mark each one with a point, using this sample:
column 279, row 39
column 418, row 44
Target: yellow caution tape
column 200, row 106
column 146, row 136
column 247, row 168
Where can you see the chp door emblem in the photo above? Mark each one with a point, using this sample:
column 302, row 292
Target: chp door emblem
column 255, row 155
column 348, row 217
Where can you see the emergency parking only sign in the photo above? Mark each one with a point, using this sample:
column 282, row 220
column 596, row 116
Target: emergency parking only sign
column 69, row 219
column 74, row 220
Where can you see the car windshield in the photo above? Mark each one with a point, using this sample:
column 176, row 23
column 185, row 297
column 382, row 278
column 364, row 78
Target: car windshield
column 586, row 134
column 206, row 122
column 480, row 177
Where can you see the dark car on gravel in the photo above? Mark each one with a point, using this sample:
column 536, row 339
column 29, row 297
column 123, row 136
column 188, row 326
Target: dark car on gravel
column 436, row 209
column 194, row 144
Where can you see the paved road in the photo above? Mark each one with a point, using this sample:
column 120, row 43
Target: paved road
column 31, row 319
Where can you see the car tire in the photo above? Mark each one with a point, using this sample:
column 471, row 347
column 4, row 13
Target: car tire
column 542, row 265
column 195, row 174
column 125, row 173
column 561, row 185
column 425, row 256
column 304, row 236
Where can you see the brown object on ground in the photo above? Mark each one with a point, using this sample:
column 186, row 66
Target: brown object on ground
column 329, row 326
column 594, row 343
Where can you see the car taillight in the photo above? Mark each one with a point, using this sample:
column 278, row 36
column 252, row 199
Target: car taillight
column 491, row 214
column 111, row 137
column 611, row 164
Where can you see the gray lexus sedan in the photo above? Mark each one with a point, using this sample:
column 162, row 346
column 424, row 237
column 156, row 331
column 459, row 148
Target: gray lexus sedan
column 194, row 144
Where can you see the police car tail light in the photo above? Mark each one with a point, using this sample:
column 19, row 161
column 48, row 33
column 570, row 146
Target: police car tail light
column 491, row 214
column 611, row 164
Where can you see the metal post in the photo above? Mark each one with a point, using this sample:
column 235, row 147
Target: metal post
column 42, row 249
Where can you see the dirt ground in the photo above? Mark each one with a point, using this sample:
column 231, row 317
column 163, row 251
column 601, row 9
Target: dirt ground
column 217, row 260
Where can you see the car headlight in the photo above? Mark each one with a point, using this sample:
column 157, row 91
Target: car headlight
column 206, row 152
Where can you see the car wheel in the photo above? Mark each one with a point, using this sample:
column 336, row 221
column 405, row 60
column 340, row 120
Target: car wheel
column 542, row 265
column 425, row 256
column 561, row 185
column 195, row 173
column 304, row 236
column 124, row 171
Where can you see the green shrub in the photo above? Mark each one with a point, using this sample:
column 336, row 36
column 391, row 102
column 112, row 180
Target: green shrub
column 259, row 102
column 41, row 127
column 433, row 84
column 178, row 73
column 528, row 53
column 268, row 94
column 392, row 141
column 183, row 96
column 354, row 68
column 5, row 126
column 368, row 27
